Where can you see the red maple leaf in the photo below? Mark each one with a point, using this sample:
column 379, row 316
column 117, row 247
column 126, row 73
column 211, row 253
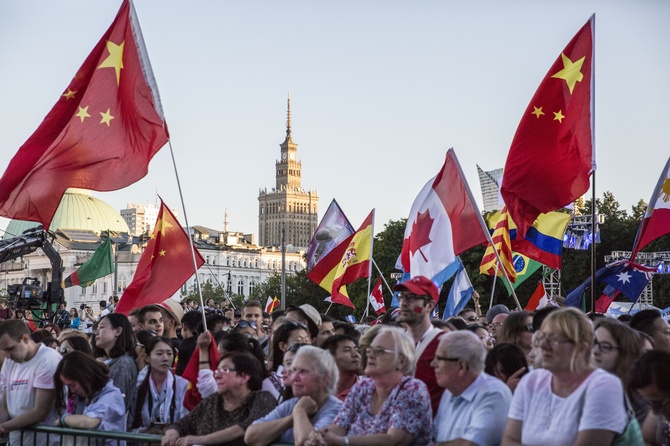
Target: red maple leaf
column 420, row 233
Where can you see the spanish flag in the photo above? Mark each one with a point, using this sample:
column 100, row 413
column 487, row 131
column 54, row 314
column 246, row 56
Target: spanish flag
column 348, row 261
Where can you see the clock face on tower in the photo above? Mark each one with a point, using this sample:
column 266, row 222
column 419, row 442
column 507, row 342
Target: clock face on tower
column 291, row 155
column 283, row 156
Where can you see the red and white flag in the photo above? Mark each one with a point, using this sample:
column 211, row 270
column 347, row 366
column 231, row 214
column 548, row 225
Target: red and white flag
column 656, row 221
column 377, row 298
column 443, row 222
column 539, row 299
column 271, row 304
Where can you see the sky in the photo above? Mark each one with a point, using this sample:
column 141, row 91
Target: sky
column 379, row 91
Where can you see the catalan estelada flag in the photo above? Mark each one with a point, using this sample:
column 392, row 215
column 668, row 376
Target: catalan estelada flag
column 502, row 244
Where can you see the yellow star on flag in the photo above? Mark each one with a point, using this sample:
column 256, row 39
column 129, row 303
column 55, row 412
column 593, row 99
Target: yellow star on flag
column 161, row 226
column 106, row 117
column 69, row 94
column 537, row 112
column 161, row 253
column 571, row 72
column 558, row 116
column 83, row 113
column 115, row 59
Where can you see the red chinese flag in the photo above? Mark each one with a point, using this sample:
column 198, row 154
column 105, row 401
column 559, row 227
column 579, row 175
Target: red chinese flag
column 550, row 159
column 100, row 135
column 166, row 264
column 192, row 396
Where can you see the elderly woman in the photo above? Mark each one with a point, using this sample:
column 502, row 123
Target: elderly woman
column 313, row 380
column 389, row 406
column 224, row 416
column 288, row 333
column 568, row 401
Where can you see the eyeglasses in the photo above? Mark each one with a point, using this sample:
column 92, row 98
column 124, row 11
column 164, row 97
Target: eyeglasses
column 496, row 324
column 298, row 373
column 529, row 328
column 554, row 341
column 604, row 347
column 446, row 358
column 242, row 323
column 376, row 351
column 472, row 319
column 410, row 297
column 225, row 370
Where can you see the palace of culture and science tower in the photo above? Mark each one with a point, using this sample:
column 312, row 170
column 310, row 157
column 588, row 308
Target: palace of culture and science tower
column 288, row 206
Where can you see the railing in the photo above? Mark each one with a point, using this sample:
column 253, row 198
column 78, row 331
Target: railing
column 79, row 437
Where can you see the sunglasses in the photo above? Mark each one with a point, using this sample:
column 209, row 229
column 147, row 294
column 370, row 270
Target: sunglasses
column 244, row 324
column 292, row 323
column 293, row 348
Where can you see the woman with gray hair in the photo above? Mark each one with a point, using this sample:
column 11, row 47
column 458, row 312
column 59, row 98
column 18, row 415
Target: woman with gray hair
column 313, row 380
column 389, row 406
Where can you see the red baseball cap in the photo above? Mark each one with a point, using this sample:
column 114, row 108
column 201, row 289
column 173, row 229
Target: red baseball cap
column 421, row 286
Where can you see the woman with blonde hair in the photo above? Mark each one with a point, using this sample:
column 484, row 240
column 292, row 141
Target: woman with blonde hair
column 568, row 401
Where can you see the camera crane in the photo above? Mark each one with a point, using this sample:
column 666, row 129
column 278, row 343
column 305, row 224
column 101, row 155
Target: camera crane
column 29, row 294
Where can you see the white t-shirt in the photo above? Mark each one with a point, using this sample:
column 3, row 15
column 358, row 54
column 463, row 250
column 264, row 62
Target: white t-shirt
column 21, row 380
column 597, row 403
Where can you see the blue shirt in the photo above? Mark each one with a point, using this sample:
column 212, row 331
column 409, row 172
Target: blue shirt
column 321, row 419
column 108, row 406
column 478, row 414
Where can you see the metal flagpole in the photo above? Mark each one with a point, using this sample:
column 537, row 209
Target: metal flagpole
column 190, row 239
column 382, row 276
column 372, row 241
column 593, row 161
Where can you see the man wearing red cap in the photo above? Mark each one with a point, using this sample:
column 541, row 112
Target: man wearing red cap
column 418, row 297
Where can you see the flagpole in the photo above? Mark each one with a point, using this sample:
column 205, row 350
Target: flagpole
column 372, row 241
column 331, row 304
column 493, row 287
column 383, row 278
column 216, row 279
column 593, row 160
column 190, row 239
column 485, row 228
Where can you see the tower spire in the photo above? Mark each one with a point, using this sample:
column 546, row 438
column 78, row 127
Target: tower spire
column 288, row 116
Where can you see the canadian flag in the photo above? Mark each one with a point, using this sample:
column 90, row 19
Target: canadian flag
column 377, row 298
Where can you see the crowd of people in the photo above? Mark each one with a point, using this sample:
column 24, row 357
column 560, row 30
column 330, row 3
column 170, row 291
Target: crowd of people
column 555, row 376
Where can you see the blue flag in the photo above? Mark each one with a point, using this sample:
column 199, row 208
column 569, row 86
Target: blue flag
column 460, row 293
column 627, row 277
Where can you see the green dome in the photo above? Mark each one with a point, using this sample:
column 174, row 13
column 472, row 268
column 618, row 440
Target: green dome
column 77, row 210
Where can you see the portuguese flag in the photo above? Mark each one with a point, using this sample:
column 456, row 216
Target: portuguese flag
column 100, row 265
